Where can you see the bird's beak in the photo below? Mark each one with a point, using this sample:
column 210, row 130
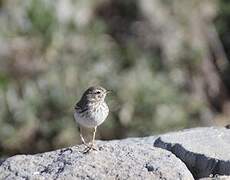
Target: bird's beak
column 108, row 91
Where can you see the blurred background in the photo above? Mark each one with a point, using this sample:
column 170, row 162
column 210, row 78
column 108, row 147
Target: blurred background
column 167, row 62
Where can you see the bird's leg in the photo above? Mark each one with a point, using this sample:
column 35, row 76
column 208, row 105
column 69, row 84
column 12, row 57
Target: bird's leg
column 82, row 138
column 92, row 144
column 94, row 135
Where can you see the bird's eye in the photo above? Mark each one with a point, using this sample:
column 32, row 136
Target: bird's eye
column 97, row 92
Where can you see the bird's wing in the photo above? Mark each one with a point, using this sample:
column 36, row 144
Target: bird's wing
column 78, row 107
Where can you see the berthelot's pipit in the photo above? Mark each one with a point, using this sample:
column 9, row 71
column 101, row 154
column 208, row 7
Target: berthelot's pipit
column 91, row 111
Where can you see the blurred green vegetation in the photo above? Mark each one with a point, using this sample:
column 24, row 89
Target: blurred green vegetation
column 160, row 58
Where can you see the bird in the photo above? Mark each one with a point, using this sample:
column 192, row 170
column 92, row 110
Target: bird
column 91, row 111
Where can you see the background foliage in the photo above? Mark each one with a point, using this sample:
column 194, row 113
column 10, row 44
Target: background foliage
column 166, row 61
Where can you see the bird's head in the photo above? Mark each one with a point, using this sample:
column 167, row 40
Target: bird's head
column 95, row 94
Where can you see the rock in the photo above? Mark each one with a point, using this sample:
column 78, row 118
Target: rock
column 216, row 178
column 205, row 151
column 119, row 159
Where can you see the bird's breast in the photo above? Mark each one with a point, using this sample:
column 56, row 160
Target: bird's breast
column 93, row 116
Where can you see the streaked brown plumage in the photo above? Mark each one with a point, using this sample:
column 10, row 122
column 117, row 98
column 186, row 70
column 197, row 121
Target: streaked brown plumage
column 91, row 110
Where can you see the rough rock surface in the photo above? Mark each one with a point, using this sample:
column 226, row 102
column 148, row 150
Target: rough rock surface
column 125, row 159
column 216, row 178
column 205, row 151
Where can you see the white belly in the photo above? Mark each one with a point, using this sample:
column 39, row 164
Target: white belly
column 92, row 119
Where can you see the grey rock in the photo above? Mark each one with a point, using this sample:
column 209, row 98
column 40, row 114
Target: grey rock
column 134, row 158
column 205, row 151
column 216, row 178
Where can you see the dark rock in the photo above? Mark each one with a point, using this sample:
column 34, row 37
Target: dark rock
column 227, row 126
column 205, row 151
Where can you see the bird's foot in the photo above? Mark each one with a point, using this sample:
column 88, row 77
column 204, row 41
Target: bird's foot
column 93, row 146
column 90, row 147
